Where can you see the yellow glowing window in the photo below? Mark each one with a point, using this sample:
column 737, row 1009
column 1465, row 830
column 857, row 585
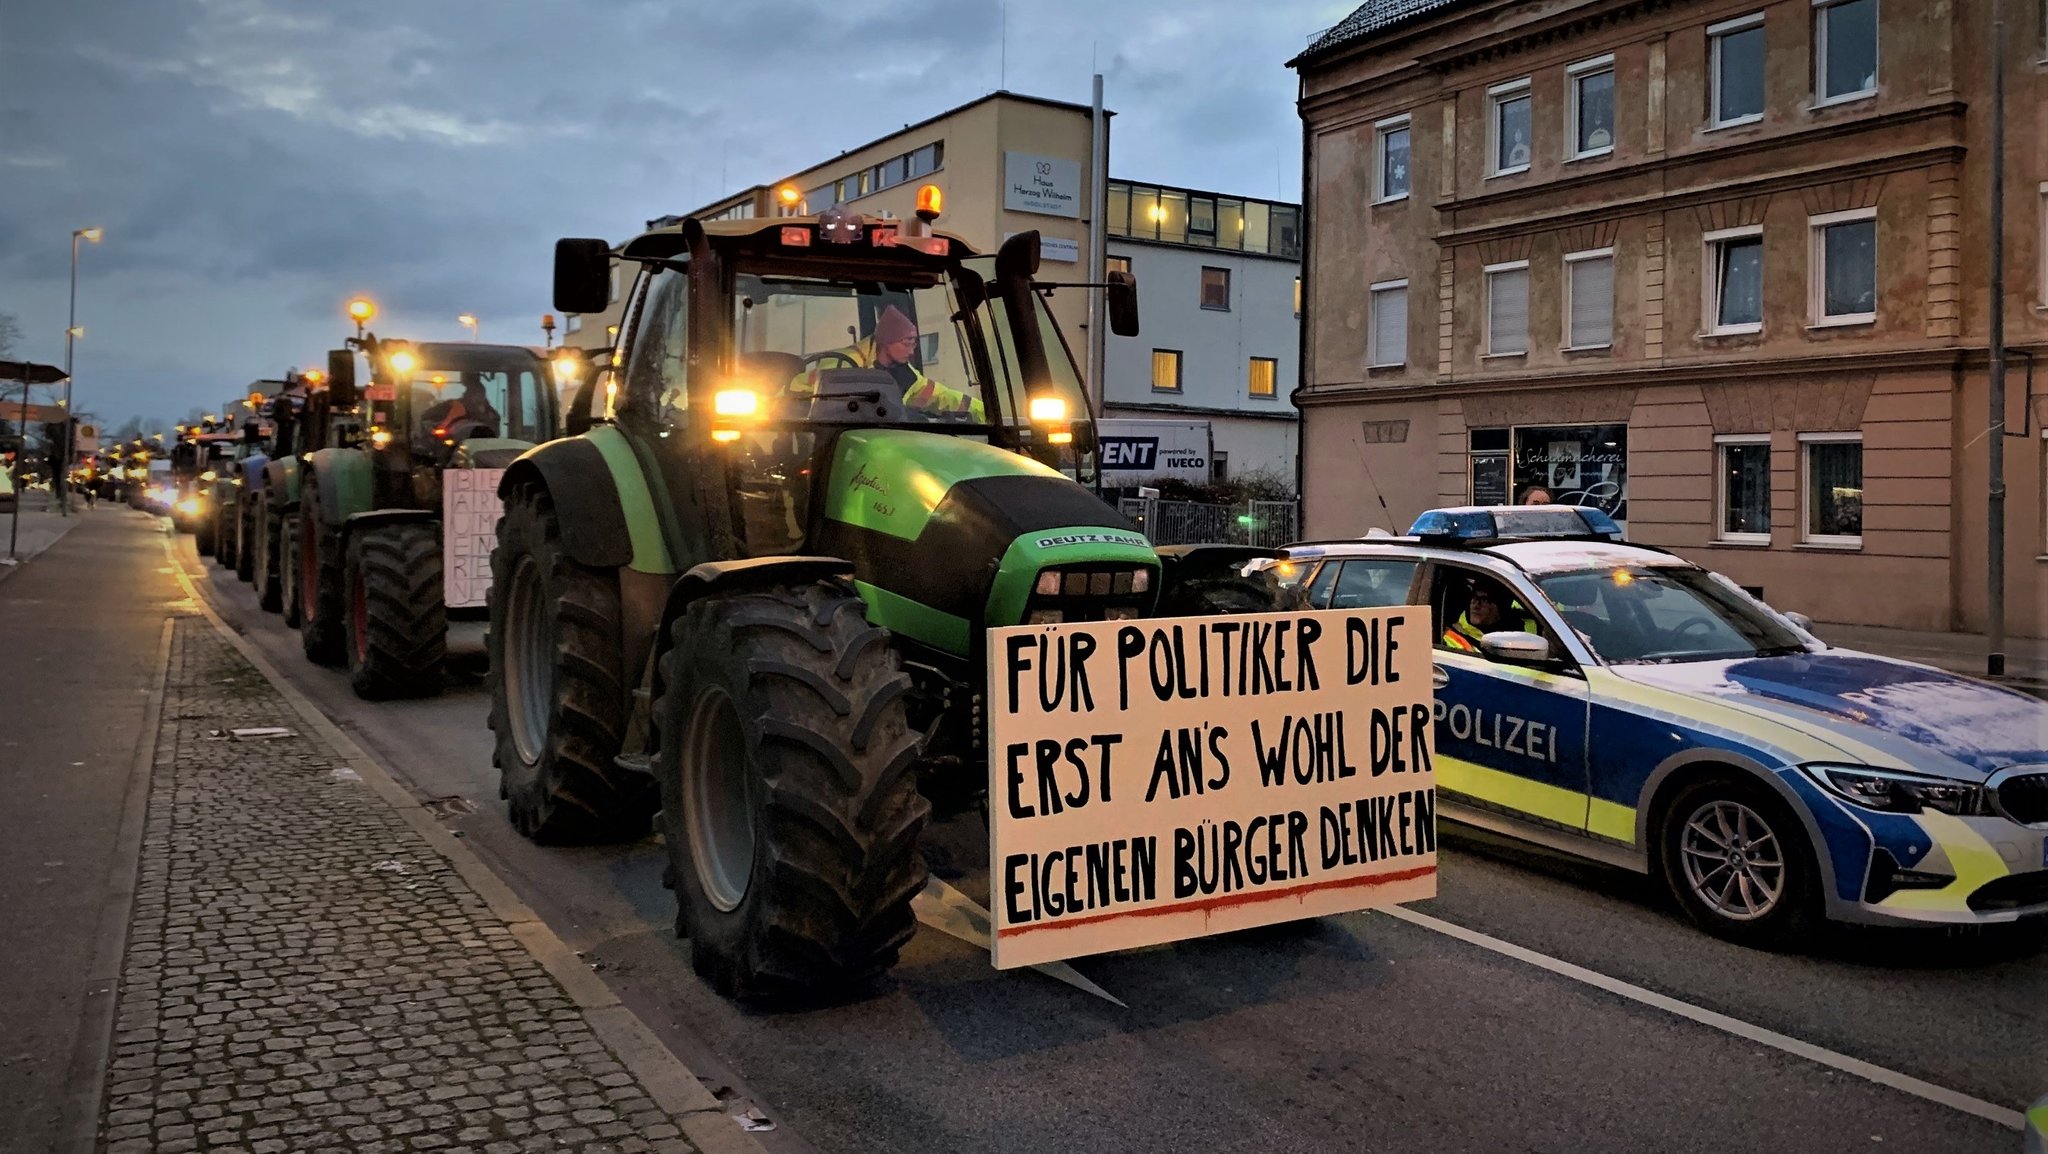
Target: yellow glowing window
column 1166, row 370
column 1263, row 371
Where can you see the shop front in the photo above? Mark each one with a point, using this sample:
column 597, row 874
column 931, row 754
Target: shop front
column 1561, row 464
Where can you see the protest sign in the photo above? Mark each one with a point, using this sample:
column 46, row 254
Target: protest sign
column 1158, row 780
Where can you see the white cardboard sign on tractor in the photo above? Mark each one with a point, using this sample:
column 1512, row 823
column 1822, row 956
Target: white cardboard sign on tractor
column 1158, row 780
column 469, row 527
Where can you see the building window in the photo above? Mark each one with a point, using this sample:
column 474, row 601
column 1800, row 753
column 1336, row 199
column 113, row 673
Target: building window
column 1745, row 489
column 1392, row 149
column 1216, row 288
column 1262, row 374
column 1834, row 488
column 1735, row 280
column 1844, row 49
column 572, row 323
column 1589, row 108
column 1844, row 267
column 1507, row 309
column 1508, row 127
column 1120, row 264
column 1386, row 338
column 1166, row 370
column 1583, row 465
column 1589, row 299
column 1736, row 71
column 1297, row 280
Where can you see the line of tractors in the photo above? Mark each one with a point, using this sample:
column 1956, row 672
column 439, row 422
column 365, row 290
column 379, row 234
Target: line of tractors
column 740, row 565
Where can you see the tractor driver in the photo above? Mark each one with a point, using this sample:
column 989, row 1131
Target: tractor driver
column 473, row 407
column 890, row 349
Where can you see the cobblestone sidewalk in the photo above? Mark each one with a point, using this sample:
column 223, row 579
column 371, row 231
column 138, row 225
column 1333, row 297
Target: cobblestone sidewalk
column 306, row 973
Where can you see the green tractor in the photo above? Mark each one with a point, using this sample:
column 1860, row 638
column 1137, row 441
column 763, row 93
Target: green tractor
column 756, row 596
column 302, row 419
column 395, row 517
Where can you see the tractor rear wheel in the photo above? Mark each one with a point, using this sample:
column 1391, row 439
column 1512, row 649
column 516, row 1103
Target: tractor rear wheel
column 319, row 578
column 245, row 539
column 789, row 792
column 397, row 621
column 286, row 539
column 558, row 701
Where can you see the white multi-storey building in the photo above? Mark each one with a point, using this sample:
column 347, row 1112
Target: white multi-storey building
column 1219, row 300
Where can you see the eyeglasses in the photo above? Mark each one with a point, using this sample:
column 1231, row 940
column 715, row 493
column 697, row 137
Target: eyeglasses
column 1486, row 597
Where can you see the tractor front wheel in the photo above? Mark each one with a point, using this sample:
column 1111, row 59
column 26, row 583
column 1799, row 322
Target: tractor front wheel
column 397, row 621
column 223, row 537
column 789, row 793
column 558, row 703
column 245, row 539
column 319, row 579
column 203, row 532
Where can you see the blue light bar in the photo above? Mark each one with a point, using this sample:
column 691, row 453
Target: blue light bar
column 1519, row 522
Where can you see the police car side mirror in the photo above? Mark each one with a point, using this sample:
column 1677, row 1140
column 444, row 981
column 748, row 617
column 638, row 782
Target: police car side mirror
column 1516, row 648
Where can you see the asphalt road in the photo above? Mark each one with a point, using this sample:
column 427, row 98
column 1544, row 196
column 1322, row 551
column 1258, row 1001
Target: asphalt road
column 1361, row 1032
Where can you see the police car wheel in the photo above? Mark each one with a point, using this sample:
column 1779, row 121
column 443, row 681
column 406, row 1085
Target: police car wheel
column 1738, row 862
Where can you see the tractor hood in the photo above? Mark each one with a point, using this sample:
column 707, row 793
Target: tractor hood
column 947, row 534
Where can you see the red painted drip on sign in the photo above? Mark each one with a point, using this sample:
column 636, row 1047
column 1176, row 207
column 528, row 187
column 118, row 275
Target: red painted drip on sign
column 1243, row 899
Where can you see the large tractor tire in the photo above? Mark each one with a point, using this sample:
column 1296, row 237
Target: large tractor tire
column 245, row 538
column 397, row 621
column 789, row 791
column 203, row 533
column 224, row 526
column 319, row 579
column 558, row 700
column 287, row 539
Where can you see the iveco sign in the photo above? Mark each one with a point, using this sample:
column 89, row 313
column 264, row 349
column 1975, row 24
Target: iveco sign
column 1138, row 452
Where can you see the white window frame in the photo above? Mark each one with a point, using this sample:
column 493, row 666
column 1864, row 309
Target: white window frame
column 1710, row 267
column 1497, row 96
column 1572, row 76
column 1715, row 33
column 1372, row 324
column 1820, row 54
column 1817, row 272
column 1721, row 534
column 1823, row 540
column 1380, row 130
column 1490, row 272
column 1570, row 259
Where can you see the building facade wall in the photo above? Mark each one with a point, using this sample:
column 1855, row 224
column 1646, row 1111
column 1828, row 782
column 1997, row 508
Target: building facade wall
column 1216, row 348
column 1669, row 391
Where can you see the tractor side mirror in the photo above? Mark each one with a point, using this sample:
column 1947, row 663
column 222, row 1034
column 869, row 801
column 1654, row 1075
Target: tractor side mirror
column 583, row 275
column 970, row 292
column 341, row 378
column 1123, row 303
column 1017, row 260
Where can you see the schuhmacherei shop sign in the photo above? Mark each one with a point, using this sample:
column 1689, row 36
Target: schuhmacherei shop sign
column 1158, row 780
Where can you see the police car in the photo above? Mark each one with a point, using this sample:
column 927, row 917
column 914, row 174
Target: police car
column 1619, row 703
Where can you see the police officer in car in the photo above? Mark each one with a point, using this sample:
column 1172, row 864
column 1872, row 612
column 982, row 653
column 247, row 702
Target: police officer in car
column 1488, row 609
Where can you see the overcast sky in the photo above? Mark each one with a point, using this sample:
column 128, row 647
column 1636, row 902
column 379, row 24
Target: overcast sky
column 256, row 162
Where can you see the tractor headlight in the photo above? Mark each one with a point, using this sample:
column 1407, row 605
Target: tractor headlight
column 1048, row 409
column 1892, row 791
column 189, row 506
column 209, row 475
column 380, row 438
column 736, row 402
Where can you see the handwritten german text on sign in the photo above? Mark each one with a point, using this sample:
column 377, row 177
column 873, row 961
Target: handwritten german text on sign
column 1158, row 780
column 469, row 527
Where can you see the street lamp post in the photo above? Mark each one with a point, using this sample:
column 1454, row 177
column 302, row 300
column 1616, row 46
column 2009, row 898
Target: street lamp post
column 469, row 322
column 61, row 482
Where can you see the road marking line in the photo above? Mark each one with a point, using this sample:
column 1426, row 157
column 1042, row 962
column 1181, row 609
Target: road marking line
column 1941, row 1095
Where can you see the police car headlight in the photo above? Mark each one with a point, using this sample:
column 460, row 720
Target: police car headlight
column 1892, row 791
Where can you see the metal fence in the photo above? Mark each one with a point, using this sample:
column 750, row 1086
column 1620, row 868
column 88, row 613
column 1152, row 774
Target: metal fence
column 1263, row 523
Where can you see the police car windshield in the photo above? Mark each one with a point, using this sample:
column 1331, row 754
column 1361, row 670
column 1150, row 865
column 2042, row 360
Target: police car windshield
column 1665, row 614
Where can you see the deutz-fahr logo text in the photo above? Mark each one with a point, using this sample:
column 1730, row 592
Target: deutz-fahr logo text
column 1092, row 539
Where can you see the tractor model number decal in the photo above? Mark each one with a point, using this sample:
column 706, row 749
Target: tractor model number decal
column 469, row 528
column 1092, row 539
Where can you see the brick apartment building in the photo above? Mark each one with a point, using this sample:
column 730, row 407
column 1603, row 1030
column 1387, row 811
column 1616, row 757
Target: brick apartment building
column 1719, row 266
